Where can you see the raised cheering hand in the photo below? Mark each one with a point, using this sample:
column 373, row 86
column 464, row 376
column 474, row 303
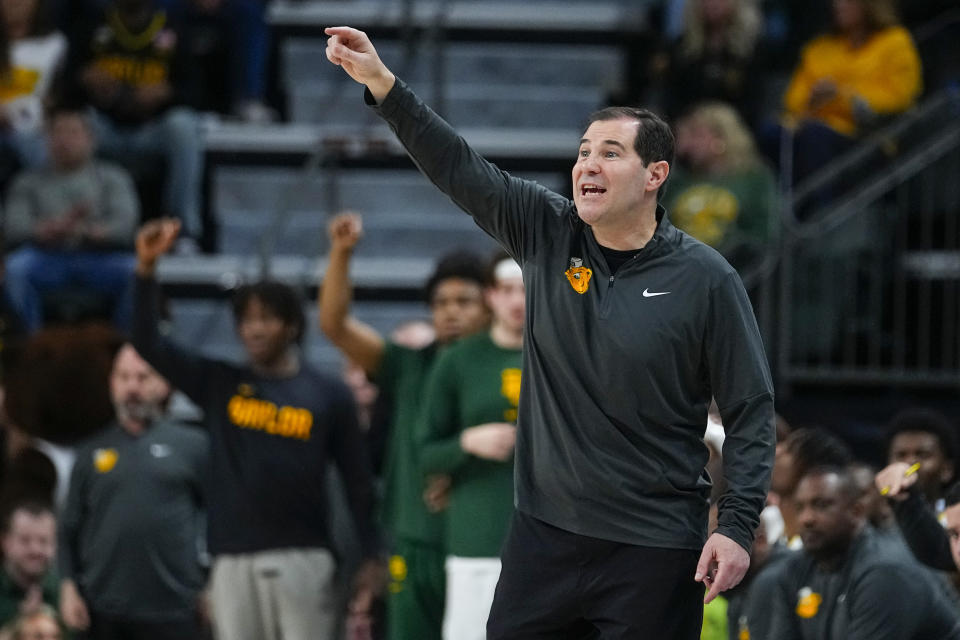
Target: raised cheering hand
column 345, row 230
column 154, row 239
column 352, row 50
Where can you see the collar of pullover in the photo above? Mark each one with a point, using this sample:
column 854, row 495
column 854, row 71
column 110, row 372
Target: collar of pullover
column 663, row 239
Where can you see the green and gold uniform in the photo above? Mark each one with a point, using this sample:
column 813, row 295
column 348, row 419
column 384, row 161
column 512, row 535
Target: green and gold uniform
column 473, row 382
column 417, row 582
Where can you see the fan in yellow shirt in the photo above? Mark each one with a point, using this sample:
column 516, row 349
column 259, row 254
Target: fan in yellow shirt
column 866, row 67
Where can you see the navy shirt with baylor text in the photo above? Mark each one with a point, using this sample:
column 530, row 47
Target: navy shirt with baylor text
column 271, row 440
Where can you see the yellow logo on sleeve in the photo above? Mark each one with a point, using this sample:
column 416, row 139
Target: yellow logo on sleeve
column 104, row 460
column 578, row 275
column 808, row 603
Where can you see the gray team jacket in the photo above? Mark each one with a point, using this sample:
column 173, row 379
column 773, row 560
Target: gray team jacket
column 618, row 368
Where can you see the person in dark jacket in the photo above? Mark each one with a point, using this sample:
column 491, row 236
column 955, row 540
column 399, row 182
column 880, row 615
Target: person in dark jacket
column 631, row 327
column 921, row 452
column 131, row 525
column 850, row 582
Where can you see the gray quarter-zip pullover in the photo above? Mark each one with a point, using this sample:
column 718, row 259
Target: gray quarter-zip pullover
column 618, row 368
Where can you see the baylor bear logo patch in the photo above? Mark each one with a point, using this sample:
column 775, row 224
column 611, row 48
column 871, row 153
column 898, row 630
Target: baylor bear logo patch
column 808, row 603
column 104, row 460
column 578, row 275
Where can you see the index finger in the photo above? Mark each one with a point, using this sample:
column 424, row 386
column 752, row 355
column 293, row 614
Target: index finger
column 714, row 590
column 343, row 32
column 723, row 579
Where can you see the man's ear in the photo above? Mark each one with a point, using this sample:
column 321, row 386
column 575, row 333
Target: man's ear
column 658, row 174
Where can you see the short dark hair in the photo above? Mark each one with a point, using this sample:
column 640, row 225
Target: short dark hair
column 278, row 298
column 924, row 420
column 815, row 448
column 654, row 140
column 31, row 506
column 69, row 108
column 461, row 264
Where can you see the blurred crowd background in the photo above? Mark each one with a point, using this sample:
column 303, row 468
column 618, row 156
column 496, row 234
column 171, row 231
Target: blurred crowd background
column 818, row 149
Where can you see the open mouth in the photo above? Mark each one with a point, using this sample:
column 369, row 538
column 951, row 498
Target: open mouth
column 591, row 190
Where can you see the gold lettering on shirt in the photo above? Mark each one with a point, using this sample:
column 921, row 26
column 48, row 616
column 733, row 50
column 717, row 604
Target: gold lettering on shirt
column 263, row 415
column 133, row 71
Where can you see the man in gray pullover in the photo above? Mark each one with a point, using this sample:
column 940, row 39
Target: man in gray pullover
column 131, row 528
column 632, row 327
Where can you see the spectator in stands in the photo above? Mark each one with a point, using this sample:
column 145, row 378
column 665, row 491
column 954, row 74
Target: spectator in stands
column 801, row 450
column 720, row 191
column 468, row 431
column 129, row 552
column 130, row 65
column 715, row 58
column 848, row 583
column 28, row 580
column 41, row 624
column 275, row 424
column 926, row 437
column 455, row 295
column 926, row 531
column 228, row 43
column 32, row 54
column 74, row 222
column 921, row 447
column 865, row 69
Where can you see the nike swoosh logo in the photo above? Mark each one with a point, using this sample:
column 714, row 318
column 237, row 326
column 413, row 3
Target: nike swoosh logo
column 648, row 294
column 159, row 450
